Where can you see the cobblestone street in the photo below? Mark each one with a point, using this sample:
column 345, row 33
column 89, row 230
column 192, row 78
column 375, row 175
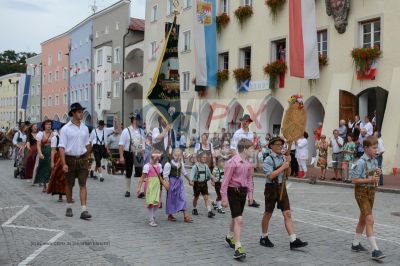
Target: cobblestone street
column 35, row 230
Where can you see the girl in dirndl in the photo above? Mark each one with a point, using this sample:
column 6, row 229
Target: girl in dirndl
column 176, row 196
column 152, row 173
column 44, row 152
column 31, row 145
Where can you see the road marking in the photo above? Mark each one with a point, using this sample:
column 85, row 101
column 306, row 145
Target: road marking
column 42, row 248
column 11, row 207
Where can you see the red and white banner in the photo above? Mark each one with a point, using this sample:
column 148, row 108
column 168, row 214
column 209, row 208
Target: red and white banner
column 303, row 39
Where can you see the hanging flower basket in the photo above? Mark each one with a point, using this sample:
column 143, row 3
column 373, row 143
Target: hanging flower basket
column 222, row 76
column 242, row 74
column 222, row 20
column 323, row 60
column 243, row 13
column 275, row 6
column 296, row 99
column 274, row 70
column 364, row 57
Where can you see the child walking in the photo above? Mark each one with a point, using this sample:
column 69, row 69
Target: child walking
column 365, row 176
column 152, row 173
column 176, row 196
column 217, row 177
column 199, row 175
column 237, row 183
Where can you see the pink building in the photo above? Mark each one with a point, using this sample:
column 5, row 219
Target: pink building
column 55, row 78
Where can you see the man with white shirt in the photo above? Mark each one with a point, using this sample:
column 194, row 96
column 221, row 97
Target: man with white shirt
column 243, row 133
column 98, row 139
column 164, row 139
column 368, row 126
column 379, row 154
column 337, row 156
column 75, row 149
column 131, row 150
column 355, row 126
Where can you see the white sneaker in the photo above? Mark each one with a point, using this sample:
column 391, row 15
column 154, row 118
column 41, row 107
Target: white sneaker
column 153, row 224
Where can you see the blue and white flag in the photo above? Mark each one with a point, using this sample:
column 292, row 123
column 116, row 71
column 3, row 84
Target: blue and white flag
column 244, row 86
column 23, row 91
column 205, row 40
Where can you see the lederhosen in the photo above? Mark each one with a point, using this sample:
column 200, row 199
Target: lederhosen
column 272, row 194
column 133, row 159
column 99, row 150
column 218, row 184
column 200, row 187
column 165, row 150
column 210, row 161
column 365, row 195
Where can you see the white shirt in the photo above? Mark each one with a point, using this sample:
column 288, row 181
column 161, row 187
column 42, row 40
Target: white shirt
column 40, row 135
column 100, row 139
column 135, row 139
column 335, row 146
column 146, row 168
column 369, row 128
column 241, row 134
column 167, row 169
column 53, row 142
column 302, row 149
column 206, row 148
column 74, row 139
column 157, row 132
column 21, row 135
column 381, row 147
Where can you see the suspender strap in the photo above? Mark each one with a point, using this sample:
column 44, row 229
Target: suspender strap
column 97, row 137
column 130, row 139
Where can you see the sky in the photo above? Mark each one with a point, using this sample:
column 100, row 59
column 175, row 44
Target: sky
column 27, row 23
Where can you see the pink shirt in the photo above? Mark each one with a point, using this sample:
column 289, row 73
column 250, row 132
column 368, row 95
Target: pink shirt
column 237, row 173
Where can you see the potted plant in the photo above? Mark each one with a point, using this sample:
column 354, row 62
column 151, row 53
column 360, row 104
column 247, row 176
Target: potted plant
column 275, row 6
column 364, row 57
column 322, row 60
column 222, row 76
column 274, row 70
column 242, row 74
column 222, row 20
column 243, row 13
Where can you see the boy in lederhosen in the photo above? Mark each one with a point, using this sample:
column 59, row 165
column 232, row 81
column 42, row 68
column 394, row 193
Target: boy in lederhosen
column 274, row 168
column 98, row 139
column 365, row 176
column 199, row 175
column 217, row 177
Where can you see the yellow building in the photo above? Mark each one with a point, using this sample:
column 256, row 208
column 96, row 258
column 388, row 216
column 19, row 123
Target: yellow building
column 262, row 39
column 8, row 99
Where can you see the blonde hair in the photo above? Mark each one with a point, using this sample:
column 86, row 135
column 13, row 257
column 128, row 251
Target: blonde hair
column 177, row 150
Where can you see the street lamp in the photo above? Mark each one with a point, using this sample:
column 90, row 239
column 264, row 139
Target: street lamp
column 16, row 99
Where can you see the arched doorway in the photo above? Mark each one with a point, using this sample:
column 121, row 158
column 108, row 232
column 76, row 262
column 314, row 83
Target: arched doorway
column 234, row 115
column 56, row 118
column 315, row 113
column 271, row 118
column 206, row 113
column 133, row 100
column 65, row 118
column 153, row 122
column 87, row 118
column 371, row 101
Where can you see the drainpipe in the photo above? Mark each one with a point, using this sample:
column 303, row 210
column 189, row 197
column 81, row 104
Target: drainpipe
column 123, row 76
column 41, row 92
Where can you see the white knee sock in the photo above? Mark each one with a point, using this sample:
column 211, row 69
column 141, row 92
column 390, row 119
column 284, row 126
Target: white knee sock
column 237, row 245
column 357, row 239
column 151, row 214
column 372, row 240
column 219, row 205
column 83, row 208
column 128, row 184
column 209, row 208
column 292, row 238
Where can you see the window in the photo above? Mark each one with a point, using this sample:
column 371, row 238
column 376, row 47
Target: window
column 117, row 89
column 322, row 42
column 371, row 33
column 153, row 50
column 186, row 37
column 223, row 61
column 245, row 57
column 106, row 30
column 57, row 75
column 50, row 77
column 87, row 63
column 99, row 57
column 50, row 101
column 97, row 34
column 65, row 73
column 49, row 60
column 86, row 94
column 44, row 101
column 65, row 99
column 247, row 2
column 153, row 14
column 170, row 7
column 278, row 50
column 116, row 25
column 186, row 81
column 224, row 8
column 80, row 95
column 187, row 3
column 99, row 91
column 117, row 58
column 59, row 56
column 57, row 100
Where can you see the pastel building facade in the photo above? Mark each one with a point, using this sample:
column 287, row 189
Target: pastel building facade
column 8, row 100
column 33, row 68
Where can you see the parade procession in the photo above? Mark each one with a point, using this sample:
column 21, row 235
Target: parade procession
column 167, row 132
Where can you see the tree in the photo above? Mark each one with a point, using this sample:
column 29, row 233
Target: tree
column 12, row 62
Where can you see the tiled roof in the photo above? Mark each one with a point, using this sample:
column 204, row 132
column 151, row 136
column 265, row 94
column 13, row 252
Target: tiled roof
column 137, row 24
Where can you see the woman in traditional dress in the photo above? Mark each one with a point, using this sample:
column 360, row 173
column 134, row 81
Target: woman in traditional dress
column 57, row 180
column 206, row 147
column 31, row 145
column 44, row 151
column 322, row 147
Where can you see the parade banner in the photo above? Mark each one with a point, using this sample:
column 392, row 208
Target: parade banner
column 164, row 93
column 303, row 39
column 23, row 91
column 205, row 34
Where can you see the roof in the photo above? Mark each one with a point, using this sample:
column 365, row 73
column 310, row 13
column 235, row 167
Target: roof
column 137, row 24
